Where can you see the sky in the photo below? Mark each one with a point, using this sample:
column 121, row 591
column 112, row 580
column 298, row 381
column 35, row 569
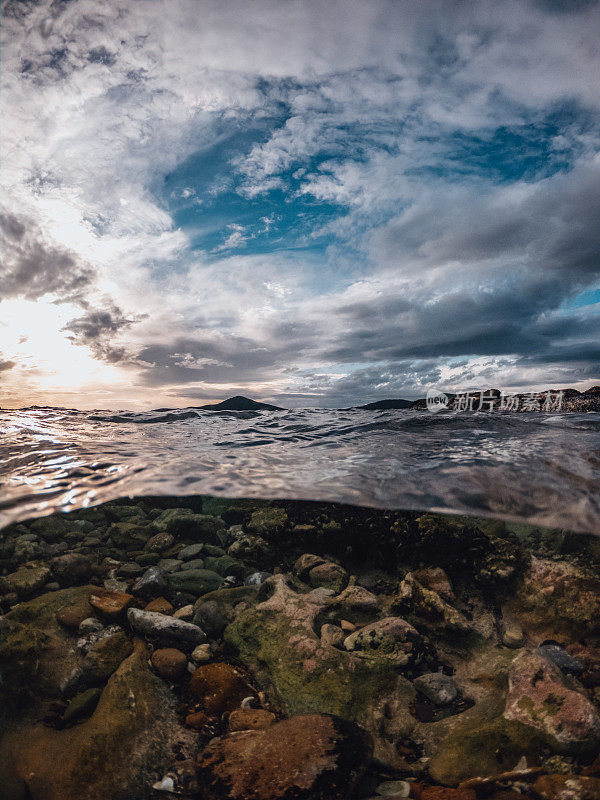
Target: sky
column 309, row 203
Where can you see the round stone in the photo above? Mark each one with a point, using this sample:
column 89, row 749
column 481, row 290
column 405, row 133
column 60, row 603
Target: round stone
column 170, row 663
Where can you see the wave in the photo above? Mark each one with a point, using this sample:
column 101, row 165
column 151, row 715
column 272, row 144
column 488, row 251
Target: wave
column 538, row 468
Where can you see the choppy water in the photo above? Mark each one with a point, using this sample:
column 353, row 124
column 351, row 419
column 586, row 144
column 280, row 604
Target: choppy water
column 538, row 468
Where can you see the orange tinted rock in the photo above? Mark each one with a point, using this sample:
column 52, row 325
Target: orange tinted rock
column 170, row 663
column 110, row 604
column 218, row 688
column 160, row 605
column 250, row 719
column 311, row 756
column 198, row 721
column 72, row 616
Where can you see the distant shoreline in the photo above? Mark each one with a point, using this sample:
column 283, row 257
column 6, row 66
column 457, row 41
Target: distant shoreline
column 571, row 400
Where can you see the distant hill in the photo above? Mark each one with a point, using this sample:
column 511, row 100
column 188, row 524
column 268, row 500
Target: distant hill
column 239, row 403
column 385, row 405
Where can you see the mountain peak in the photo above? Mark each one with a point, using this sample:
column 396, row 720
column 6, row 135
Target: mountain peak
column 240, row 403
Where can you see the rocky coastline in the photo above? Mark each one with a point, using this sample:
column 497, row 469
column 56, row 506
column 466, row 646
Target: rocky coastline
column 251, row 650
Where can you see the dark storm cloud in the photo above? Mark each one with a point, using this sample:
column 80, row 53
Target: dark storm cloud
column 485, row 323
column 6, row 365
column 34, row 266
column 551, row 227
column 213, row 359
column 96, row 330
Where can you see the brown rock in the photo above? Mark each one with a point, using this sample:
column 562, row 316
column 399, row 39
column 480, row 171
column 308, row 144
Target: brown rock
column 72, row 616
column 316, row 757
column 328, row 576
column 305, row 563
column 110, row 604
column 250, row 719
column 112, row 754
column 170, row 663
column 218, row 688
column 198, row 721
column 159, row 542
column 567, row 787
column 160, row 605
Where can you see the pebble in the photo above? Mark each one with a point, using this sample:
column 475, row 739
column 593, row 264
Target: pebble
column 169, row 565
column 110, row 604
column 81, row 706
column 160, row 626
column 169, row 663
column 393, row 789
column 190, row 552
column 512, row 635
column 256, row 578
column 129, row 570
column 161, row 605
column 185, row 612
column 437, row 687
column 159, row 542
column 89, row 625
column 202, row 653
column 71, row 617
column 332, row 635
column 151, row 584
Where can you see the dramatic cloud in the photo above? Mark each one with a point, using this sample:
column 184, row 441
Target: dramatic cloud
column 315, row 202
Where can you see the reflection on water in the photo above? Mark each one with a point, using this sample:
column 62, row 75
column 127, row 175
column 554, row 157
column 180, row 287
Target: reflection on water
column 540, row 468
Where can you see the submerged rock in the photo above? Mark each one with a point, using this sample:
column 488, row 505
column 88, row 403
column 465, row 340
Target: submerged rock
column 162, row 627
column 151, row 584
column 277, row 641
column 314, row 757
column 113, row 754
column 26, row 580
column 218, row 688
column 440, row 689
column 567, row 787
column 563, row 660
column 110, row 604
column 540, row 697
column 170, row 663
column 391, row 638
column 249, row 719
column 197, row 581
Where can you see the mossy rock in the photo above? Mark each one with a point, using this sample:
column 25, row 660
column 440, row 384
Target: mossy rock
column 130, row 535
column 193, row 526
column 134, row 716
column 51, row 528
column 322, row 684
column 197, row 581
column 484, row 747
column 224, row 565
column 267, row 522
column 35, row 651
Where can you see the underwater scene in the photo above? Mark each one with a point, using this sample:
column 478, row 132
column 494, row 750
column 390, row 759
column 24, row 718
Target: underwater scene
column 246, row 649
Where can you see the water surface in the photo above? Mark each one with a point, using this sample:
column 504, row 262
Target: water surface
column 538, row 468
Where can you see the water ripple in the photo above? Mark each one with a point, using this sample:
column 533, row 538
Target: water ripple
column 539, row 468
